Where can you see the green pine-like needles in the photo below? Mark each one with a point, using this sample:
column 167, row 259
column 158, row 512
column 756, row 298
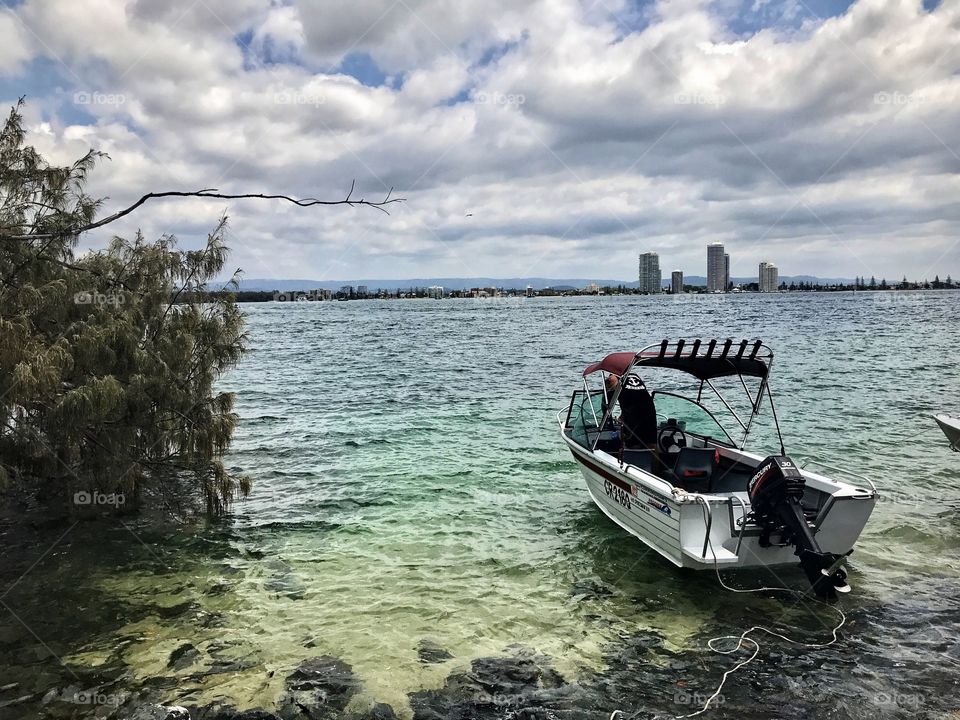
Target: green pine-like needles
column 108, row 367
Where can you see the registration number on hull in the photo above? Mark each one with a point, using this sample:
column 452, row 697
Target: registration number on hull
column 618, row 494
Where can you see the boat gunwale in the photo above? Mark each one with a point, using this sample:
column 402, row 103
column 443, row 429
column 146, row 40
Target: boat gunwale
column 840, row 488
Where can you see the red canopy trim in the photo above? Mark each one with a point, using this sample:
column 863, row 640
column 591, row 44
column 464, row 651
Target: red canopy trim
column 616, row 363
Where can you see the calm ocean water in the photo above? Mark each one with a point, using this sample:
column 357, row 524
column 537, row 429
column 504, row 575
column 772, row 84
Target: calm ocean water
column 409, row 483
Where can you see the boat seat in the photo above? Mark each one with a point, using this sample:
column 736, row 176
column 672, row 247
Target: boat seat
column 638, row 415
column 694, row 464
column 642, row 459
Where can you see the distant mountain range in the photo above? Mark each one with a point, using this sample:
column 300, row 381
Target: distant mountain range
column 286, row 285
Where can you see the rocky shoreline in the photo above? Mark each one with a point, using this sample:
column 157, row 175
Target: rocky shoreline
column 897, row 657
column 643, row 679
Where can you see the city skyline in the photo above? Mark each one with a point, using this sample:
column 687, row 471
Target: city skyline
column 717, row 273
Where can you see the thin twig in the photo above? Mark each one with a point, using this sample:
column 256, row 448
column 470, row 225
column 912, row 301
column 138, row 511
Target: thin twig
column 213, row 193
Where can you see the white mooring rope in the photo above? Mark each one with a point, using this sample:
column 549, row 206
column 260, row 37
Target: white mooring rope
column 743, row 637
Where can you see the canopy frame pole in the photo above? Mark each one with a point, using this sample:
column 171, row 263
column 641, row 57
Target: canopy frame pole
column 754, row 411
column 747, row 391
column 586, row 390
column 611, row 401
column 776, row 422
column 725, row 403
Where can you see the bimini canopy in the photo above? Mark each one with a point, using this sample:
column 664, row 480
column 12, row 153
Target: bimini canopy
column 704, row 359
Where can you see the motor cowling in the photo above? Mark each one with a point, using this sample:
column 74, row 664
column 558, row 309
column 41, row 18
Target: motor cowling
column 775, row 491
column 776, row 481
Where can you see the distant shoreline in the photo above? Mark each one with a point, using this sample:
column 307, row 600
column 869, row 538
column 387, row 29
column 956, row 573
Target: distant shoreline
column 259, row 296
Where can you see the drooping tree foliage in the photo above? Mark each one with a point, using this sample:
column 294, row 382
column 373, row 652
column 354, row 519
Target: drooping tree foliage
column 107, row 382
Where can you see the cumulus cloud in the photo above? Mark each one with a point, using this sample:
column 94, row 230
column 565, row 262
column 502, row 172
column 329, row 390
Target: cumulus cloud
column 546, row 137
column 14, row 45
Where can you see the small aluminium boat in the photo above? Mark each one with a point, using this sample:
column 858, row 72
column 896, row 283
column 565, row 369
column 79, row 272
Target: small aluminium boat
column 659, row 463
column 951, row 428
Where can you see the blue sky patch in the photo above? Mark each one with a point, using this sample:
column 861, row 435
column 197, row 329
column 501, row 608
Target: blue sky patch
column 635, row 17
column 362, row 67
column 493, row 53
column 48, row 85
column 460, row 97
column 746, row 17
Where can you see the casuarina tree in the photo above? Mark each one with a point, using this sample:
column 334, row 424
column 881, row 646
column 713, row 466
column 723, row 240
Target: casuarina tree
column 109, row 360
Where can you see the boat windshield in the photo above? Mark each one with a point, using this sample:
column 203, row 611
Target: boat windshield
column 585, row 414
column 694, row 418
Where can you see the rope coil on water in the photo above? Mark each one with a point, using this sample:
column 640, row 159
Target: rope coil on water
column 743, row 637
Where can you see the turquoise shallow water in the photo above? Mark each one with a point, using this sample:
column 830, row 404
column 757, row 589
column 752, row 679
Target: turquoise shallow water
column 409, row 483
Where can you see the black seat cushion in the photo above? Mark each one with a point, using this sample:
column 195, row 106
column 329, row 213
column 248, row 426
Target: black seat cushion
column 639, row 418
column 694, row 464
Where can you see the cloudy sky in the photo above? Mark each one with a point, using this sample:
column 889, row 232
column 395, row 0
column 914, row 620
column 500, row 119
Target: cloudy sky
column 554, row 138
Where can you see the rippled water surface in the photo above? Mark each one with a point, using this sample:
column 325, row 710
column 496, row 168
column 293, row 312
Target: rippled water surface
column 409, row 483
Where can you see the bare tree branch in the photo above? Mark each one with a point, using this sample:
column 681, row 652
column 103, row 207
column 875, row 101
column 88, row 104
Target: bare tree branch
column 213, row 193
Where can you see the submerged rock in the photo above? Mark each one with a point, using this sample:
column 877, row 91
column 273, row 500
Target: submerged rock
column 158, row 712
column 183, row 657
column 380, row 711
column 171, row 611
column 430, row 652
column 320, row 687
column 217, row 589
column 228, row 712
column 590, row 589
column 523, row 687
column 15, row 701
column 222, row 667
column 284, row 581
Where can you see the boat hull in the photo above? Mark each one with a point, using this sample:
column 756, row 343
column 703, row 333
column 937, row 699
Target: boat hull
column 951, row 428
column 676, row 525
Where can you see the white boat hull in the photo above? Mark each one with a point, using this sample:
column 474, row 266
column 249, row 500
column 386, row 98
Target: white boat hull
column 675, row 524
column 951, row 428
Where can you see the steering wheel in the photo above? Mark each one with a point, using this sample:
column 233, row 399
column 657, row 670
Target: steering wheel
column 671, row 439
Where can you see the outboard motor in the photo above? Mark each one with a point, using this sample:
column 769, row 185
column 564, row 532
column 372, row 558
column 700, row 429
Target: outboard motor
column 775, row 490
